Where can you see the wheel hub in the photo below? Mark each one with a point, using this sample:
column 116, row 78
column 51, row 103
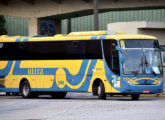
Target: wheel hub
column 99, row 90
column 26, row 90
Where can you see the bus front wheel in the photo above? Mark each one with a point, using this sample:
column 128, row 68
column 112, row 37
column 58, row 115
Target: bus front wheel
column 101, row 91
column 135, row 96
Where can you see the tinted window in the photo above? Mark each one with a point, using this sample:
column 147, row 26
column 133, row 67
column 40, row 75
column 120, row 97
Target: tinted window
column 141, row 43
column 51, row 50
column 93, row 49
column 111, row 55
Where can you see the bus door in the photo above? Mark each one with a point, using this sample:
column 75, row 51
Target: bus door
column 112, row 60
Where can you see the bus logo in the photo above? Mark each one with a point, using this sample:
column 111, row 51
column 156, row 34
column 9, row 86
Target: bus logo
column 60, row 78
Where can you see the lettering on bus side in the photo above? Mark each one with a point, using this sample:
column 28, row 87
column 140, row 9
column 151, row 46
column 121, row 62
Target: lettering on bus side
column 35, row 71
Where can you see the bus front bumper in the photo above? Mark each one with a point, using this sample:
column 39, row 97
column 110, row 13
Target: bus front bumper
column 141, row 89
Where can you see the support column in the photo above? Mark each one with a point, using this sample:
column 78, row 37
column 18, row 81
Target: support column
column 96, row 18
column 58, row 26
column 34, row 26
column 69, row 25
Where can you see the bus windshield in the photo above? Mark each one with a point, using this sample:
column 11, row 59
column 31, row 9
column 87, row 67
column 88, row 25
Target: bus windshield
column 142, row 61
column 145, row 60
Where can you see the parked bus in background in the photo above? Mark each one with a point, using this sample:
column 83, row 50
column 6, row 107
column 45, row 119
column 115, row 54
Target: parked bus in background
column 101, row 62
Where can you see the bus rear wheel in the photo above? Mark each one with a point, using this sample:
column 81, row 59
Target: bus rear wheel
column 58, row 95
column 135, row 96
column 26, row 90
column 101, row 91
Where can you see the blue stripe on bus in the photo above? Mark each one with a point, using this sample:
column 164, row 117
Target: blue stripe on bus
column 9, row 89
column 103, row 36
column 94, row 37
column 87, row 82
column 80, row 74
column 4, row 72
column 25, row 39
column 18, row 39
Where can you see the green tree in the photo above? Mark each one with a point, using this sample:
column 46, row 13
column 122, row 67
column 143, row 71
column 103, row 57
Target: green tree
column 2, row 25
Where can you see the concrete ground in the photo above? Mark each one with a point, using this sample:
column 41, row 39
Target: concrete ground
column 81, row 106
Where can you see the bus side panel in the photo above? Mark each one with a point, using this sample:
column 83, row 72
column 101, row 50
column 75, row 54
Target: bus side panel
column 58, row 75
column 53, row 75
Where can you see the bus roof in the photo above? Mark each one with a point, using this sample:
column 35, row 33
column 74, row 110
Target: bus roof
column 91, row 35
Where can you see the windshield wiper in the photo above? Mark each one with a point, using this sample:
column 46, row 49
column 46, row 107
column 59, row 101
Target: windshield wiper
column 142, row 64
column 147, row 64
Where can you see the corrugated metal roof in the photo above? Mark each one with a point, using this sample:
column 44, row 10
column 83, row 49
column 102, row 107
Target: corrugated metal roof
column 85, row 23
column 17, row 26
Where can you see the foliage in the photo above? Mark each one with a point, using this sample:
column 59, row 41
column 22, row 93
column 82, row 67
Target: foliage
column 2, row 25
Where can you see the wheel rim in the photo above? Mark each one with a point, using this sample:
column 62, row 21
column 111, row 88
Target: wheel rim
column 26, row 90
column 99, row 90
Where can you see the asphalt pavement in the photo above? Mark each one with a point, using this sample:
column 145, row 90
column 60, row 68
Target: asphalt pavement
column 81, row 106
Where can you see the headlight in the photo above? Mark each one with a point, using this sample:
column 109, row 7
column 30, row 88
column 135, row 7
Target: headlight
column 126, row 79
column 159, row 82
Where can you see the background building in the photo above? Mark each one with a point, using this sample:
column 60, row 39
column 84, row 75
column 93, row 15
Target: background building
column 19, row 26
column 54, row 16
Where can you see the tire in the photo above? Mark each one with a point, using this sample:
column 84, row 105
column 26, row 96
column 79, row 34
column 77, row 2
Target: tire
column 25, row 90
column 101, row 91
column 58, row 95
column 135, row 96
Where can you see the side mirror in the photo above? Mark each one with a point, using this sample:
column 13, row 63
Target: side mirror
column 122, row 59
column 118, row 48
column 121, row 51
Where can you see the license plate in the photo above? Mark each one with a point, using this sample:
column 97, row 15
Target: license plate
column 146, row 91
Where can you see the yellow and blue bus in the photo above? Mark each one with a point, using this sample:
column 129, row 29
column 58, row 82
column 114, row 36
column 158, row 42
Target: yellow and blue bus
column 99, row 62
